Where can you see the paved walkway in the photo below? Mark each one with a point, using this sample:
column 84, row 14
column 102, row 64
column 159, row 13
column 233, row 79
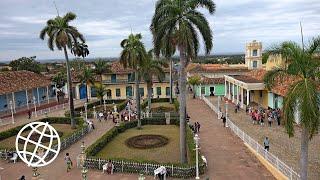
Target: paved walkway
column 285, row 148
column 227, row 156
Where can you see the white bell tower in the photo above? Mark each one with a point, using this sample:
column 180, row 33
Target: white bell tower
column 253, row 56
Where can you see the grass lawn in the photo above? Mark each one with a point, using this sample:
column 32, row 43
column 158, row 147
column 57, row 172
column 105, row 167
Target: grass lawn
column 167, row 154
column 9, row 143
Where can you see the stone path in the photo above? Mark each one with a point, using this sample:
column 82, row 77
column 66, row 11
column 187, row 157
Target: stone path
column 285, row 148
column 227, row 156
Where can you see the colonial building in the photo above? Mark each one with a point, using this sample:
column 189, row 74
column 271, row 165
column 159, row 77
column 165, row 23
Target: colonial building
column 23, row 90
column 120, row 84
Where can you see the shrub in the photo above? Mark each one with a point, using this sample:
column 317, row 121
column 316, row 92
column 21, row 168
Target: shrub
column 52, row 120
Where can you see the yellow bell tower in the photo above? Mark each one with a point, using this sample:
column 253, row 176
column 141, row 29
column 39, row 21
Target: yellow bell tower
column 253, row 56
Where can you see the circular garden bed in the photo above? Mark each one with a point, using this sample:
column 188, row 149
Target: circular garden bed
column 147, row 141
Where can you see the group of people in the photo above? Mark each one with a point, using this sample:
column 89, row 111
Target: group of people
column 196, row 127
column 259, row 115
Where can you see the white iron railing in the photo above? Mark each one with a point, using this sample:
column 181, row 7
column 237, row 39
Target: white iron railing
column 8, row 120
column 50, row 109
column 272, row 159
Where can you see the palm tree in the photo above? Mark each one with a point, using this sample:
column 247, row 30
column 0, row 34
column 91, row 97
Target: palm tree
column 167, row 51
column 180, row 21
column 101, row 91
column 194, row 80
column 86, row 77
column 80, row 49
column 302, row 96
column 133, row 55
column 101, row 67
column 62, row 35
column 151, row 68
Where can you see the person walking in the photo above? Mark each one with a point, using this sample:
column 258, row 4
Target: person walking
column 29, row 114
column 195, row 127
column 224, row 120
column 266, row 144
column 68, row 162
column 22, row 177
column 270, row 120
column 198, row 127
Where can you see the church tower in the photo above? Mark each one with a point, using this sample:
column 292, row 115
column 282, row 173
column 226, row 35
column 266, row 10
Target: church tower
column 253, row 56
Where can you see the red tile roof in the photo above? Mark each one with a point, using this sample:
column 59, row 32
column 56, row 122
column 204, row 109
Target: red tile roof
column 14, row 81
column 280, row 87
column 214, row 68
column 246, row 79
column 206, row 80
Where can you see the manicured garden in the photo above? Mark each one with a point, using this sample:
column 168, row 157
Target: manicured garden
column 118, row 148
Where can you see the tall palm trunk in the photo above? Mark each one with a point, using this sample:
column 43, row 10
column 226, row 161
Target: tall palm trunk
column 171, row 81
column 87, row 92
column 149, row 88
column 138, row 98
column 182, row 110
column 71, row 105
column 304, row 154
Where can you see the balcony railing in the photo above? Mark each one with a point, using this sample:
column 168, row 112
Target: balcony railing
column 126, row 81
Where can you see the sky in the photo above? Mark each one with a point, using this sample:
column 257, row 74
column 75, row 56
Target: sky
column 105, row 23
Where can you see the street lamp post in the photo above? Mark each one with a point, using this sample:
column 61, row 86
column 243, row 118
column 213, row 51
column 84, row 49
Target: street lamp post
column 85, row 109
column 94, row 112
column 11, row 108
column 196, row 139
column 129, row 109
column 35, row 106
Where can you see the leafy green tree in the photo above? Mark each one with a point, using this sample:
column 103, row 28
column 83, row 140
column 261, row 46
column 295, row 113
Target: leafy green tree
column 151, row 68
column 194, row 80
column 101, row 67
column 26, row 63
column 60, row 80
column 101, row 91
column 77, row 65
column 132, row 56
column 86, row 77
column 181, row 21
column 303, row 97
column 61, row 35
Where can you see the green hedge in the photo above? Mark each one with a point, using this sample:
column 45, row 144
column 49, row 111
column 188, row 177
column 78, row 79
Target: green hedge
column 52, row 120
column 159, row 100
column 111, row 134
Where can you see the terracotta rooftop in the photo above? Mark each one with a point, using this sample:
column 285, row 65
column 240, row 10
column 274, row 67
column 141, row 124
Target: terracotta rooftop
column 206, row 80
column 214, row 68
column 280, row 87
column 14, row 81
column 246, row 79
column 117, row 68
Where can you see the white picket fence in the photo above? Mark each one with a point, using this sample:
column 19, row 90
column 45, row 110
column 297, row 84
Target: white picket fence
column 272, row 159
